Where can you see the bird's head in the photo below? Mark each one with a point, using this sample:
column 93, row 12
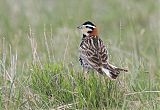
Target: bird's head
column 88, row 29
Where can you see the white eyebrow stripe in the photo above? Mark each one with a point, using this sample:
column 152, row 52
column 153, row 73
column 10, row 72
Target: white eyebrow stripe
column 90, row 26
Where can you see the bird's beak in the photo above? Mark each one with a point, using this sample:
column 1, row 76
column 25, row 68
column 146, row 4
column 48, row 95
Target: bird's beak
column 79, row 27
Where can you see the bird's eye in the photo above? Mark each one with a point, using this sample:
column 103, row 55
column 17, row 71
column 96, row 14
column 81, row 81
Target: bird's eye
column 87, row 26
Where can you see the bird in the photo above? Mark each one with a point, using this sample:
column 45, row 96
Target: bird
column 94, row 54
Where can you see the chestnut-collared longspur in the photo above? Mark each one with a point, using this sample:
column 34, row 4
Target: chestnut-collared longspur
column 93, row 53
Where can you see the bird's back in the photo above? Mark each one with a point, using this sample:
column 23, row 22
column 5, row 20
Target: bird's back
column 93, row 52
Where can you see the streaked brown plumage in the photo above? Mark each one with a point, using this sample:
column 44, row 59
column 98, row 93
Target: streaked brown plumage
column 93, row 53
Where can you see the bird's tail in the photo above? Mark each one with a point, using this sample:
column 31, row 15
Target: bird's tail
column 111, row 71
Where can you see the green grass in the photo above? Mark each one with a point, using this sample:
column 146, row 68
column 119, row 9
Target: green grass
column 71, row 88
column 39, row 67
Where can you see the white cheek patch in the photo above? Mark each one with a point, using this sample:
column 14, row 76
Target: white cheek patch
column 85, row 31
column 89, row 29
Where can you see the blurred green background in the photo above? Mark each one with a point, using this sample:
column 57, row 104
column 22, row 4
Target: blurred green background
column 126, row 26
column 129, row 28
